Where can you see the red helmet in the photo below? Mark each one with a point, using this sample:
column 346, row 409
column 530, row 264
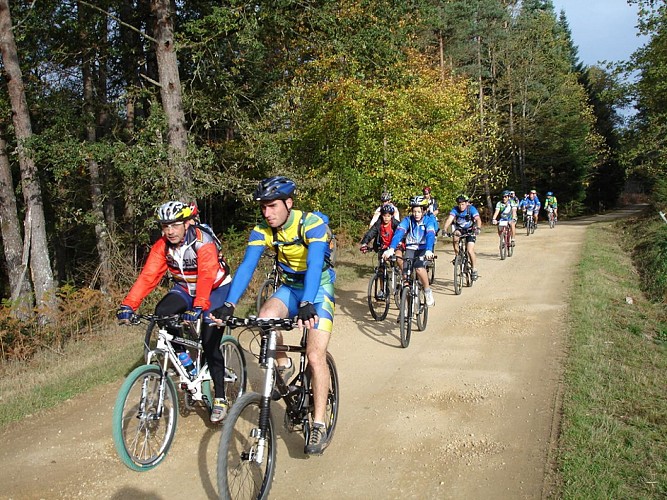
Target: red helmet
column 426, row 190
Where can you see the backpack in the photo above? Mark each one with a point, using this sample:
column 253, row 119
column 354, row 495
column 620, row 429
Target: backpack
column 330, row 256
column 209, row 230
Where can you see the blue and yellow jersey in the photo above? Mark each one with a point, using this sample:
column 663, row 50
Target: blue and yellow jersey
column 550, row 201
column 301, row 254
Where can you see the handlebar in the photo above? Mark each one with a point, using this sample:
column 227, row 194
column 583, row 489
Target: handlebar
column 283, row 323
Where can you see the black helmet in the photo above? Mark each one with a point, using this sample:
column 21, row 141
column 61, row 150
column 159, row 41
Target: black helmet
column 274, row 188
column 385, row 196
column 387, row 209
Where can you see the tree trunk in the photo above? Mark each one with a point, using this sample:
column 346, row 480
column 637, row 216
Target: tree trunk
column 40, row 265
column 97, row 208
column 170, row 92
column 12, row 242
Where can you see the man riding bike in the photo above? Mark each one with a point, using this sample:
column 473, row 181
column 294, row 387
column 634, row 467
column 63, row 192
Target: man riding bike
column 432, row 209
column 385, row 198
column 301, row 241
column 201, row 282
column 466, row 224
column 507, row 211
column 380, row 235
column 552, row 202
column 533, row 203
column 418, row 231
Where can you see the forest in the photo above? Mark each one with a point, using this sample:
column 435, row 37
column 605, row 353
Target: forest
column 112, row 107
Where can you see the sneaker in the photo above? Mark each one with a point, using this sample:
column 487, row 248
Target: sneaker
column 474, row 275
column 220, row 408
column 512, row 243
column 430, row 301
column 318, row 440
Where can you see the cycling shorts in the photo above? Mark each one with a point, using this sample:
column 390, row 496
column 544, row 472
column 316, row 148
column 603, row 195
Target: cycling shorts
column 324, row 303
column 468, row 235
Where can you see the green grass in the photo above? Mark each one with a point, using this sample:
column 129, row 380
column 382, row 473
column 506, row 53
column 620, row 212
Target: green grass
column 613, row 440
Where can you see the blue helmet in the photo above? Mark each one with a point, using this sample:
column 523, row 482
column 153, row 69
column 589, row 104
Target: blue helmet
column 274, row 188
column 550, row 193
column 387, row 209
column 506, row 193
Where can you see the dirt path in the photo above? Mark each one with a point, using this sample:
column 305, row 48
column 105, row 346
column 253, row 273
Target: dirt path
column 469, row 410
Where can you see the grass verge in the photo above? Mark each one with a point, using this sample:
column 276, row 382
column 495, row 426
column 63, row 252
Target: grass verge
column 613, row 441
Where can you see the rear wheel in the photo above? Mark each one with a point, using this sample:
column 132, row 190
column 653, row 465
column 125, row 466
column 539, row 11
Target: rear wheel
column 378, row 307
column 331, row 414
column 405, row 316
column 458, row 274
column 242, row 473
column 267, row 289
column 421, row 309
column 235, row 368
column 142, row 429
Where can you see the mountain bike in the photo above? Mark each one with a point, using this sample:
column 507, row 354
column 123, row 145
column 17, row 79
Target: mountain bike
column 247, row 451
column 270, row 285
column 413, row 301
column 146, row 410
column 384, row 284
column 551, row 217
column 530, row 223
column 430, row 270
column 462, row 265
column 505, row 234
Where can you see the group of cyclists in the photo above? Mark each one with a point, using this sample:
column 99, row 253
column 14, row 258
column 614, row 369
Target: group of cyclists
column 205, row 291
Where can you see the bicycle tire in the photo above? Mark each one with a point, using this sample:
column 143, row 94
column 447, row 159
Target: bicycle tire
column 333, row 398
column 552, row 221
column 378, row 308
column 267, row 289
column 236, row 376
column 398, row 287
column 421, row 309
column 431, row 271
column 528, row 224
column 508, row 243
column 141, row 440
column 405, row 316
column 503, row 250
column 458, row 274
column 467, row 270
column 239, row 475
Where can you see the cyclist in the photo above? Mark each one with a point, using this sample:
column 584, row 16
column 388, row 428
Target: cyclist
column 507, row 211
column 522, row 207
column 466, row 224
column 533, row 203
column 551, row 201
column 385, row 198
column 432, row 209
column 201, row 281
column 307, row 290
column 418, row 231
column 514, row 199
column 380, row 234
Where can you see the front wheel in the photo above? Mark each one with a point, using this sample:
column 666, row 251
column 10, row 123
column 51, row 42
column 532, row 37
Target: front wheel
column 458, row 274
column 267, row 289
column 467, row 270
column 379, row 307
column 236, row 378
column 421, row 309
column 143, row 430
column 246, row 462
column 405, row 316
column 503, row 247
column 431, row 271
column 508, row 244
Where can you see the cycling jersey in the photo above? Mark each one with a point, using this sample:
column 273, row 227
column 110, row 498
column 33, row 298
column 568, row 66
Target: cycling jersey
column 302, row 262
column 533, row 204
column 464, row 220
column 504, row 210
column 381, row 234
column 194, row 265
column 550, row 201
column 418, row 235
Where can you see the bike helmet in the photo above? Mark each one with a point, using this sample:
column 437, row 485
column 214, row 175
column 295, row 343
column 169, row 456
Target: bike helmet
column 387, row 209
column 512, row 193
column 385, row 196
column 532, row 191
column 549, row 193
column 418, row 201
column 274, row 188
column 426, row 190
column 461, row 198
column 174, row 211
column 506, row 193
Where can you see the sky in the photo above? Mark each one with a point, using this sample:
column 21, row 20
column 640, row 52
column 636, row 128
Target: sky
column 603, row 30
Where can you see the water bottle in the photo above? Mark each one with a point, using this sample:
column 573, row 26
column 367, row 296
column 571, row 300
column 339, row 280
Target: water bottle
column 186, row 361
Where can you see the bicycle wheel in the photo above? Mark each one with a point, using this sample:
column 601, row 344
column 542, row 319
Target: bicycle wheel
column 235, row 368
column 421, row 309
column 398, row 287
column 266, row 290
column 331, row 415
column 503, row 247
column 142, row 433
column 528, row 224
column 552, row 221
column 467, row 270
column 458, row 274
column 242, row 472
column 378, row 307
column 533, row 225
column 405, row 316
column 508, row 244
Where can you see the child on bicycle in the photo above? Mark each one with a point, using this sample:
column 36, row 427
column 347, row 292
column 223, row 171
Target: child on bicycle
column 466, row 223
column 201, row 282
